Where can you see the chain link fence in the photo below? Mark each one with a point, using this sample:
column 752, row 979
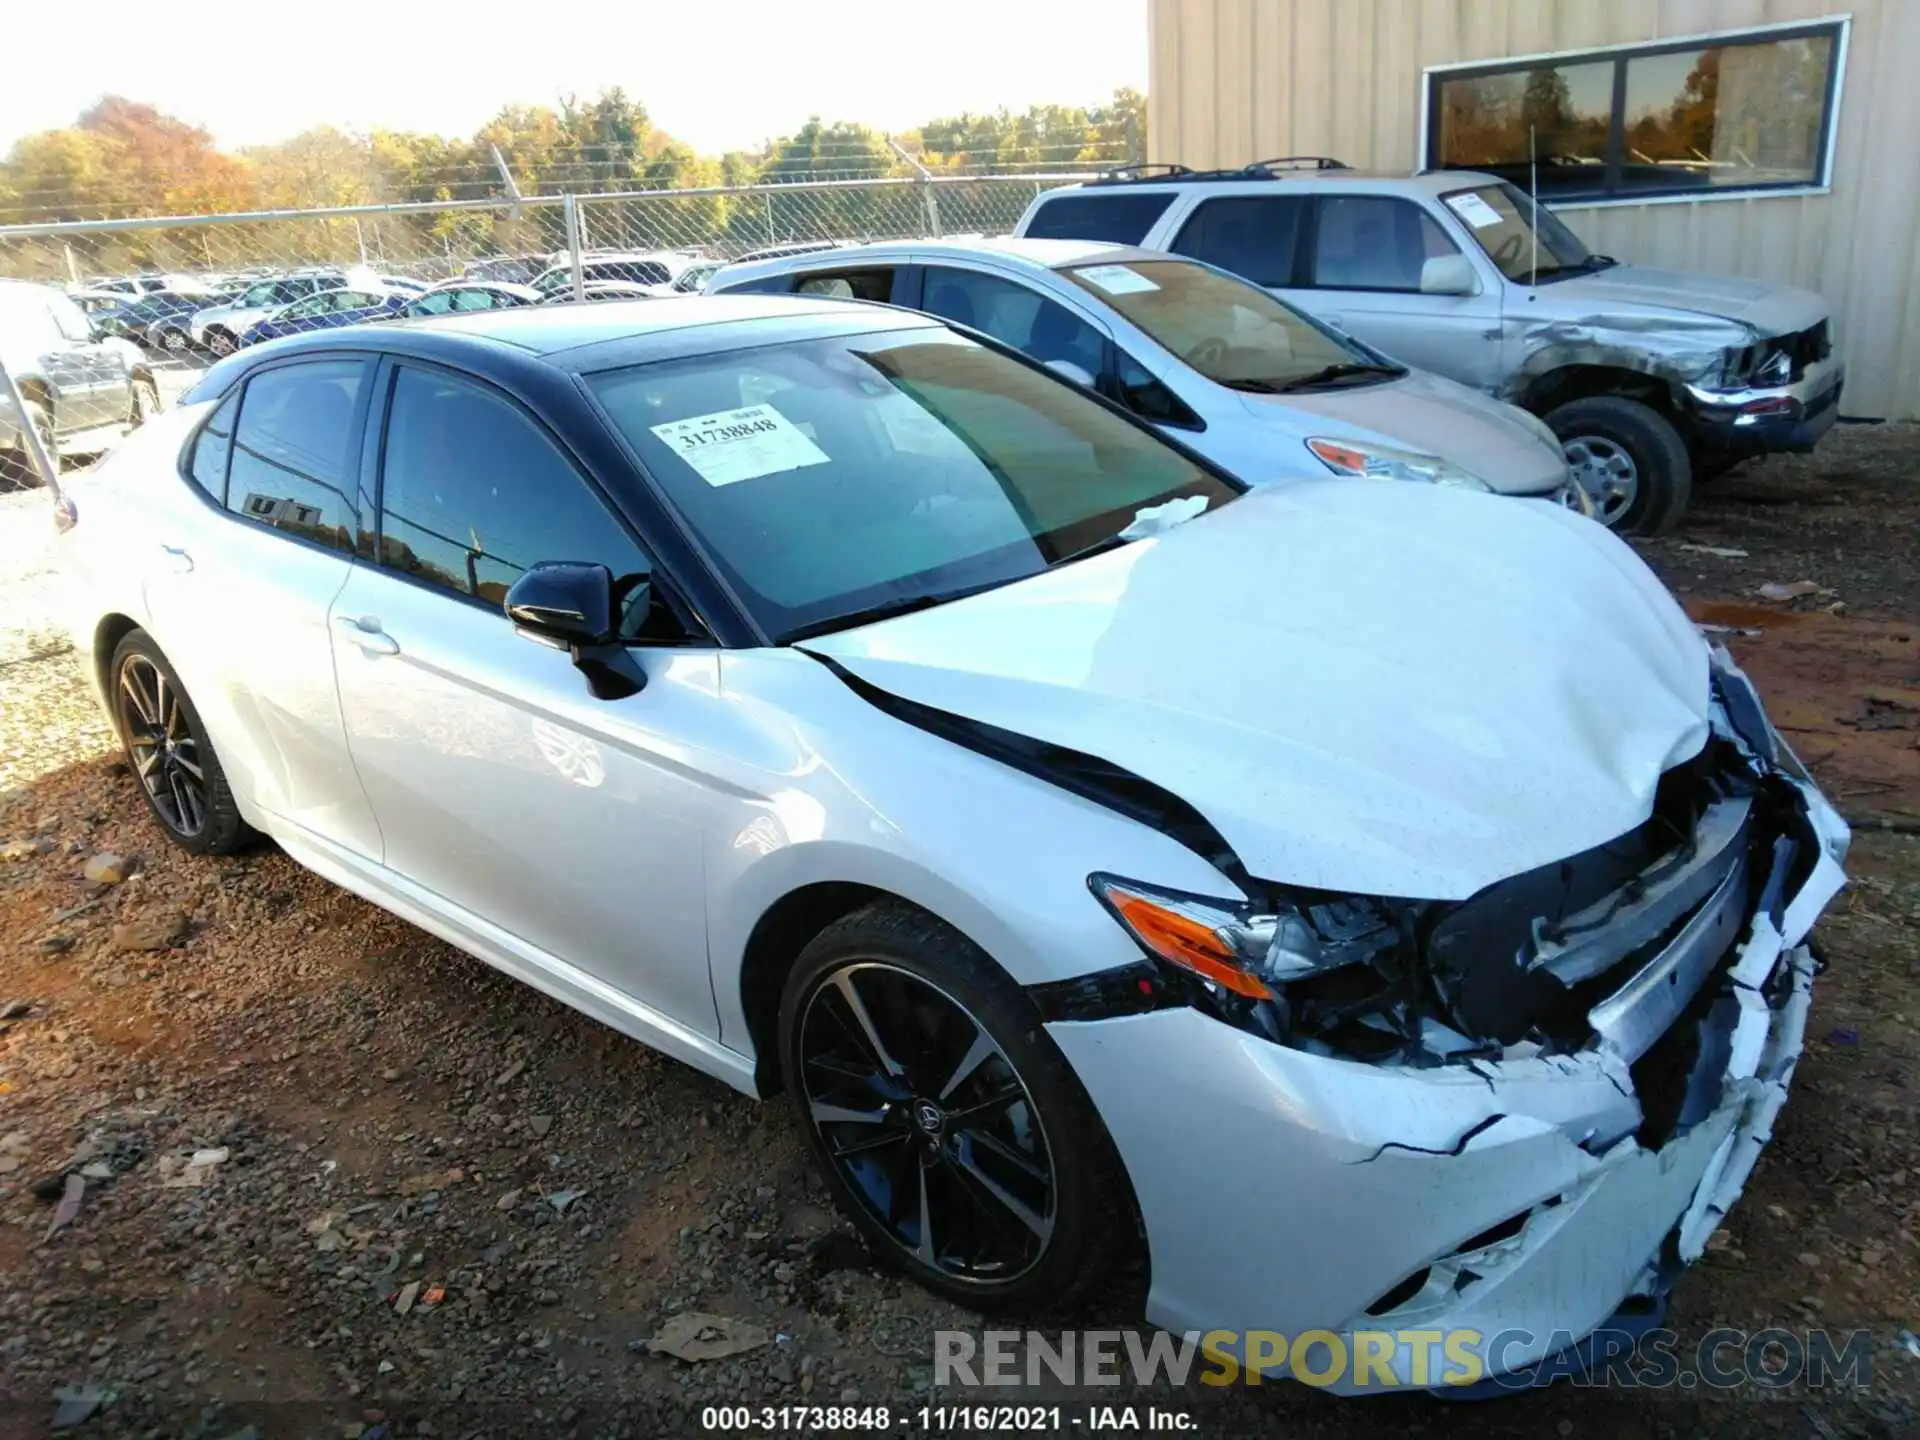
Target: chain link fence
column 512, row 238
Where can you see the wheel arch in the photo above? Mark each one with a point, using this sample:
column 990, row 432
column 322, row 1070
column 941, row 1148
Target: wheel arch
column 1565, row 383
column 107, row 636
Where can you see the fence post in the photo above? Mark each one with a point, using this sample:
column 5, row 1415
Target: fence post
column 570, row 208
column 929, row 202
column 30, row 440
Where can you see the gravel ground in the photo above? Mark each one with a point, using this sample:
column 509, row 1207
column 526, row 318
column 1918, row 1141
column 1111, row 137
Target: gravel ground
column 430, row 1201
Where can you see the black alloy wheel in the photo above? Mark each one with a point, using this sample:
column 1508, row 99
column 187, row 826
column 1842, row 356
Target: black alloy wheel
column 927, row 1122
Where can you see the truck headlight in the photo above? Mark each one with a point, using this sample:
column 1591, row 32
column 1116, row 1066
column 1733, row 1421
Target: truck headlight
column 1378, row 462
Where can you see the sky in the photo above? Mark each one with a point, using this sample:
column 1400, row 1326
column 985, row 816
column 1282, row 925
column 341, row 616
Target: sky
column 718, row 74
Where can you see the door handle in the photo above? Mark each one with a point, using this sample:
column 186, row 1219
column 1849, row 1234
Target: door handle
column 178, row 560
column 367, row 634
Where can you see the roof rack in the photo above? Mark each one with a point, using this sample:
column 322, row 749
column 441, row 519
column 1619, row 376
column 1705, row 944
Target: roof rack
column 1257, row 170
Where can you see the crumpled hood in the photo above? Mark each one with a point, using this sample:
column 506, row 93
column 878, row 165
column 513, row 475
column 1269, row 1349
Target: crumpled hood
column 1434, row 416
column 1769, row 309
column 1385, row 689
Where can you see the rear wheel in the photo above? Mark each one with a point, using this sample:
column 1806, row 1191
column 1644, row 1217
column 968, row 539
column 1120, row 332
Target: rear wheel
column 951, row 1130
column 1629, row 458
column 170, row 755
column 17, row 470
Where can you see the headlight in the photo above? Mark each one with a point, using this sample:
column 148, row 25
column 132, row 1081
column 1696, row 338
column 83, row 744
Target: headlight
column 1377, row 462
column 1247, row 951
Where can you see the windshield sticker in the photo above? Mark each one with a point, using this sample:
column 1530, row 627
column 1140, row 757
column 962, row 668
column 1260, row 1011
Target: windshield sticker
column 1475, row 211
column 1116, row 279
column 733, row 445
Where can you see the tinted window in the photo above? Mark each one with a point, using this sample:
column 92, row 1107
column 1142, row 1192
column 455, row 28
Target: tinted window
column 473, row 493
column 473, row 300
column 1374, row 242
column 293, row 448
column 436, row 304
column 1252, row 235
column 640, row 272
column 211, row 449
column 1116, row 216
column 1141, row 393
column 829, row 476
column 850, row 285
column 1013, row 315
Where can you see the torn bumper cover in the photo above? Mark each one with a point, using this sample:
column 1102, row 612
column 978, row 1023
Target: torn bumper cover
column 1526, row 1194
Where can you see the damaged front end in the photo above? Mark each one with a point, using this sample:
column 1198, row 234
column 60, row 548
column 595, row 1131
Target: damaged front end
column 1631, row 1016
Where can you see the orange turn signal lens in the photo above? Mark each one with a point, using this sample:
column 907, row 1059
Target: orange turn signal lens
column 1185, row 942
column 1343, row 458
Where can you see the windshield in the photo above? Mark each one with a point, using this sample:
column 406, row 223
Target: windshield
column 1497, row 216
column 1231, row 332
column 833, row 479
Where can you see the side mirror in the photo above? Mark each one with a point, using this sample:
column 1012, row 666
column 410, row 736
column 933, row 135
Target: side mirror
column 575, row 607
column 1067, row 370
column 1448, row 275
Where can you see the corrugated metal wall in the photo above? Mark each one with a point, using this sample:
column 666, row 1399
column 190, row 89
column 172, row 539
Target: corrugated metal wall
column 1236, row 80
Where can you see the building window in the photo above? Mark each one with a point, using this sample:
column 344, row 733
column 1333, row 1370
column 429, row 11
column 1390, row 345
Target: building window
column 1696, row 117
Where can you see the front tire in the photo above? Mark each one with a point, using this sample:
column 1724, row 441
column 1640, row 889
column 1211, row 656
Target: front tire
column 221, row 344
column 168, row 751
column 951, row 1130
column 1629, row 458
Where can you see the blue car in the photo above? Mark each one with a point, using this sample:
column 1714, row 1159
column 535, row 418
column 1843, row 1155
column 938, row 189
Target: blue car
column 327, row 311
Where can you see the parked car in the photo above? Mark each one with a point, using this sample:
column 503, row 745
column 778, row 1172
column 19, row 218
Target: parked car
column 1650, row 377
column 1078, row 837
column 506, row 269
column 596, row 290
column 1216, row 362
column 657, row 269
column 460, row 296
column 128, row 284
column 218, row 328
column 328, row 310
column 81, row 391
column 134, row 319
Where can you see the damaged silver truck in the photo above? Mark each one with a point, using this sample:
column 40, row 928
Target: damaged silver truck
column 1651, row 378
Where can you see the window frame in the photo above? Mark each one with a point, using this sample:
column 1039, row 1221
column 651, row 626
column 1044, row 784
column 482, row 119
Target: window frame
column 1839, row 28
column 373, row 477
column 352, row 487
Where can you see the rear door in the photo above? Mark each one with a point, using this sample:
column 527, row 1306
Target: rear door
column 244, row 565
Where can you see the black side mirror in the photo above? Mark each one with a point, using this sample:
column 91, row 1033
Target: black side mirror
column 575, row 607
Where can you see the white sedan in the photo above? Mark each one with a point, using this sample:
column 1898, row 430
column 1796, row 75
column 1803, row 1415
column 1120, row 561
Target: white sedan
column 1108, row 860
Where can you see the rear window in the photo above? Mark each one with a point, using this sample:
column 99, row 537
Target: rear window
column 1119, row 217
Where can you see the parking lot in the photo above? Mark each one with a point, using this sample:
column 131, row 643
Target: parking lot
column 388, row 1113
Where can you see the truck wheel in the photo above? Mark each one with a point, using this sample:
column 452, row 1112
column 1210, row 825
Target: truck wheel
column 1629, row 458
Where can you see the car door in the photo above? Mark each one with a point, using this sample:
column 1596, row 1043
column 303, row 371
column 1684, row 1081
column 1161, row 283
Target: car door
column 502, row 787
column 1363, row 271
column 245, row 562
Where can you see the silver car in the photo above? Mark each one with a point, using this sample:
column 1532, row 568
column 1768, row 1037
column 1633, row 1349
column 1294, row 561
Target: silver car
column 1214, row 362
column 1650, row 377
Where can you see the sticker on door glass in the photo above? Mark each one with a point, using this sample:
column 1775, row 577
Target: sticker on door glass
column 1116, row 279
column 733, row 445
column 1475, row 211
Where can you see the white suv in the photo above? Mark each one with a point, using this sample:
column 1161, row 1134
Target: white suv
column 1648, row 376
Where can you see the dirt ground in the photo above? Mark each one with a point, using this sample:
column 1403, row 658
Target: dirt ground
column 384, row 1125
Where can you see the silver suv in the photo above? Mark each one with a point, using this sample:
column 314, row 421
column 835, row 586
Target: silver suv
column 1649, row 377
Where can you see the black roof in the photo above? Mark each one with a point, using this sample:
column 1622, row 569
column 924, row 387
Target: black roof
column 1274, row 169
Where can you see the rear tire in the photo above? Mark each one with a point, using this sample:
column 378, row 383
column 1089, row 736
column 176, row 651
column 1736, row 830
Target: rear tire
column 961, row 1144
column 167, row 749
column 1630, row 458
column 17, row 470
